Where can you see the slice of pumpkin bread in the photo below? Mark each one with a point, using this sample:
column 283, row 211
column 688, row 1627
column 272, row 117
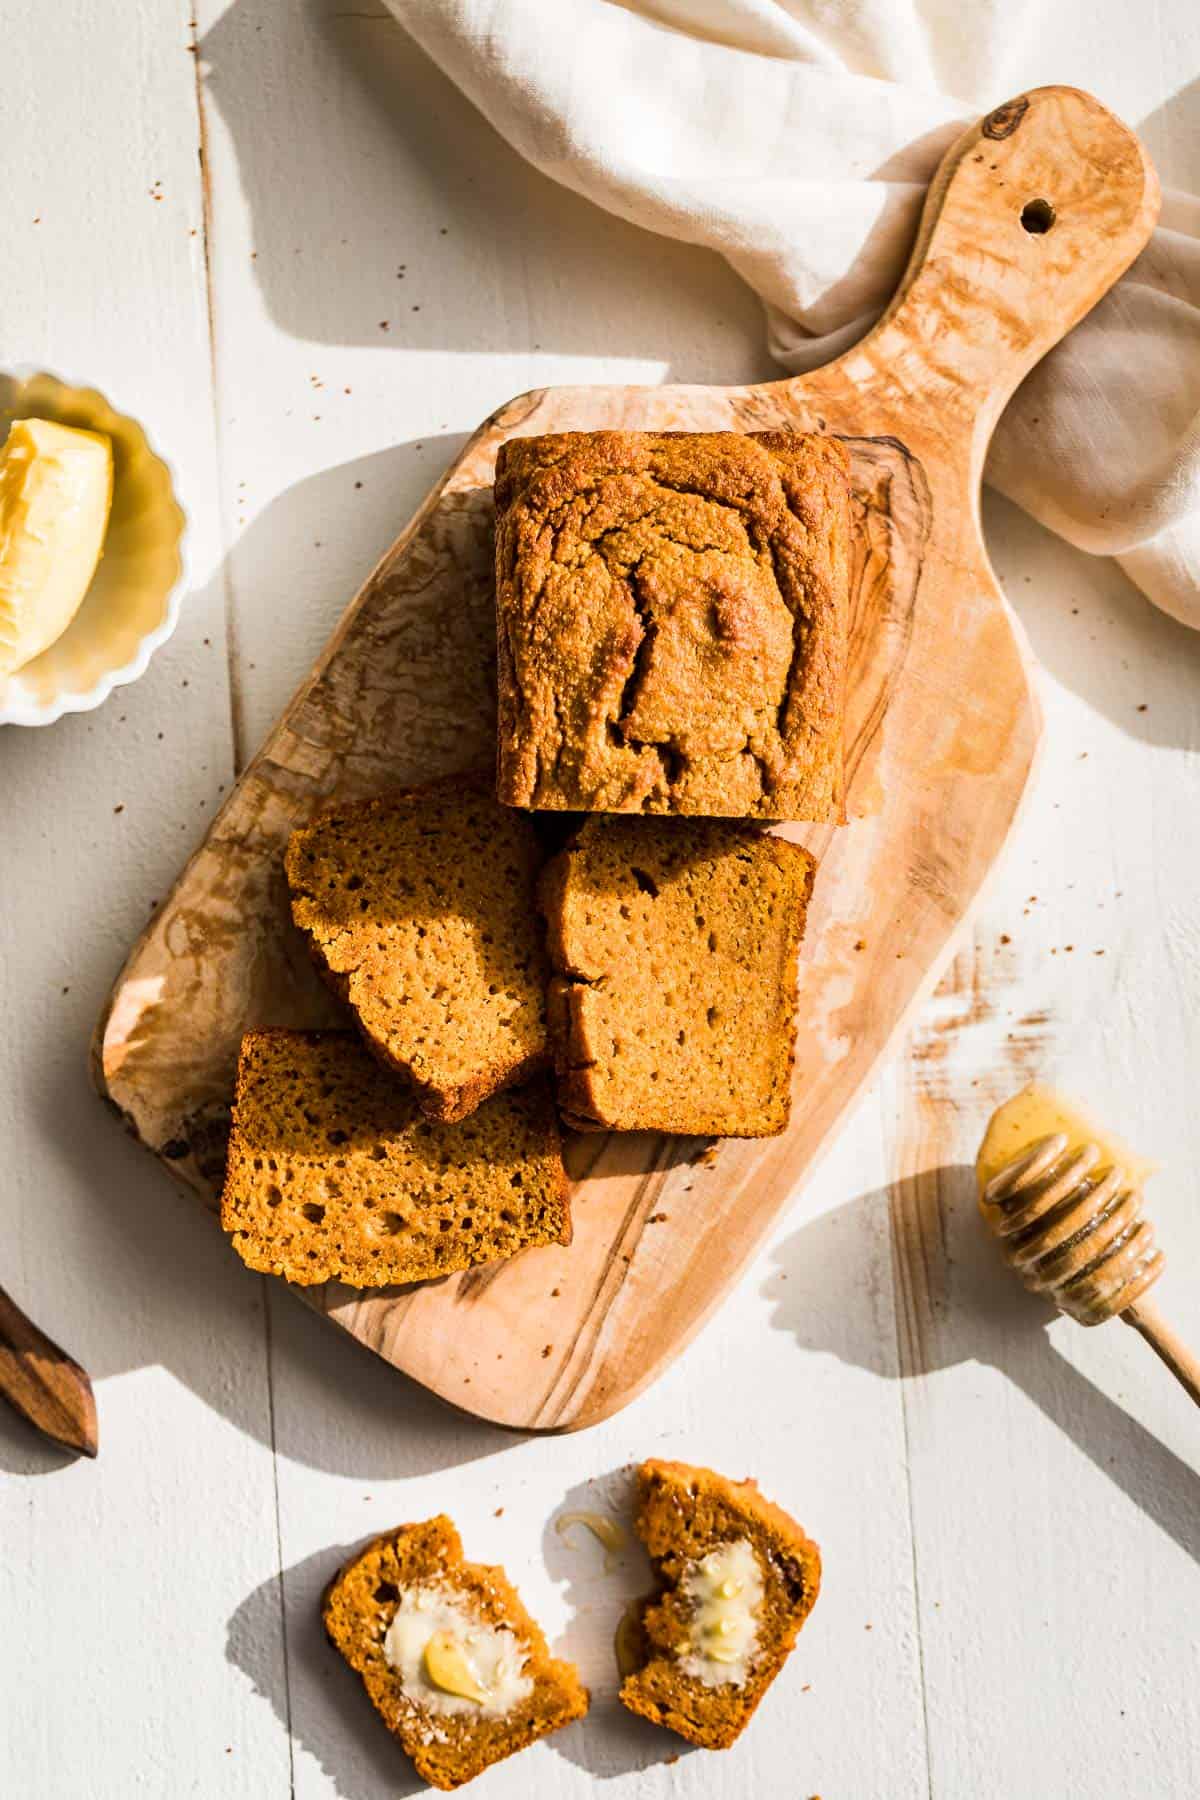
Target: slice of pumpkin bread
column 453, row 1664
column 675, row 944
column 334, row 1174
column 419, row 909
column 738, row 1579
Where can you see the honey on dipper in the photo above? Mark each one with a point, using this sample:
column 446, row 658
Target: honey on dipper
column 1064, row 1201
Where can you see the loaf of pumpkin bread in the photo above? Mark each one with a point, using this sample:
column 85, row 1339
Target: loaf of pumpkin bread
column 672, row 622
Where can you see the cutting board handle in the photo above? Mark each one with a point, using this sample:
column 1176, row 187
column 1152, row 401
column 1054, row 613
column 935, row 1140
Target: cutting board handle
column 1031, row 217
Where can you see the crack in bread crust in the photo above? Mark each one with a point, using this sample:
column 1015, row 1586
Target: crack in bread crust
column 672, row 621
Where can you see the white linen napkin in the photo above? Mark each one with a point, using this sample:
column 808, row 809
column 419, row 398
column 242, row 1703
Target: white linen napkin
column 796, row 137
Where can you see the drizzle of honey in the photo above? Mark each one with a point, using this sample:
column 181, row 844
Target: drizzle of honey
column 1038, row 1112
column 605, row 1530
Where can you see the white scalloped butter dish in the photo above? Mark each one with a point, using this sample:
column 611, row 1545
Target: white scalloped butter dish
column 132, row 605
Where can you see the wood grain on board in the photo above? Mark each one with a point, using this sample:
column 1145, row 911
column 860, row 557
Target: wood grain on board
column 1034, row 213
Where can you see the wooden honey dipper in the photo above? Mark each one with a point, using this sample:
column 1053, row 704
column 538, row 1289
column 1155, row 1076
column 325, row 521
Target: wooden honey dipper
column 1070, row 1224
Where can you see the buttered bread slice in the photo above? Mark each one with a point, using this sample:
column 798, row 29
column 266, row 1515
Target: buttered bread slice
column 453, row 1664
column 738, row 1579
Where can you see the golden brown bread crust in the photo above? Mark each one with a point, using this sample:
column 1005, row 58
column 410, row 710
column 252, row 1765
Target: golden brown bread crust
column 358, row 1608
column 683, row 1513
column 672, row 622
column 418, row 909
column 334, row 1173
column 675, row 946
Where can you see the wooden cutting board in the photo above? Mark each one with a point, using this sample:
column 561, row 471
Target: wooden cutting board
column 1032, row 216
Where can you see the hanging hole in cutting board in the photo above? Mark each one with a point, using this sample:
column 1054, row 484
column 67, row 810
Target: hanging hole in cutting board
column 1037, row 216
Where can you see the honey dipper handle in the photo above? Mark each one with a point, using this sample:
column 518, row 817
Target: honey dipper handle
column 43, row 1383
column 1145, row 1317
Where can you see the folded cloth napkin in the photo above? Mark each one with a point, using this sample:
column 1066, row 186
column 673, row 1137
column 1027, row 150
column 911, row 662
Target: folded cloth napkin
column 796, row 137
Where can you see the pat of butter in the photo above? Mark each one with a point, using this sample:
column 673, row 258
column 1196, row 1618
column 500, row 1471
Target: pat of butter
column 726, row 1592
column 55, row 494
column 1039, row 1112
column 447, row 1667
column 450, row 1661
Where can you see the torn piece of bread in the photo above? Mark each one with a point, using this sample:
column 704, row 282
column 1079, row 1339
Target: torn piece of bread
column 453, row 1664
column 334, row 1174
column 738, row 1579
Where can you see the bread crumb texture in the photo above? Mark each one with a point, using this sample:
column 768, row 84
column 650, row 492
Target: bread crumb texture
column 683, row 1516
column 672, row 611
column 419, row 909
column 335, row 1174
column 426, row 1561
column 673, row 1002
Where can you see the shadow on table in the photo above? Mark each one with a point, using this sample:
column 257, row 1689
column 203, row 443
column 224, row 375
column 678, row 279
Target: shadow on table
column 316, row 1696
column 990, row 1320
column 404, row 206
column 144, row 1276
column 598, row 1585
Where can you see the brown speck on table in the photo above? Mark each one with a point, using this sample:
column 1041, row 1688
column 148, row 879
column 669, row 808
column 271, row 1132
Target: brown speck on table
column 546, row 1349
column 555, row 1292
column 38, row 220
column 384, row 325
column 358, row 484
column 416, row 309
column 66, row 990
column 868, row 1628
column 1097, row 953
column 1004, row 938
column 656, row 1219
column 860, row 943
column 1143, row 707
column 346, row 390
column 497, row 1512
column 120, row 808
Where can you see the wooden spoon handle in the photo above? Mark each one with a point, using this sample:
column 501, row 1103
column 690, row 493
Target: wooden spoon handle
column 43, row 1383
column 1145, row 1317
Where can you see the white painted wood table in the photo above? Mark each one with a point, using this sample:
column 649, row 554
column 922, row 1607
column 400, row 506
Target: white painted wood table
column 1009, row 1507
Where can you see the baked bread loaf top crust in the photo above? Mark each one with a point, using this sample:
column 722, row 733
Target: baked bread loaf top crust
column 672, row 622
